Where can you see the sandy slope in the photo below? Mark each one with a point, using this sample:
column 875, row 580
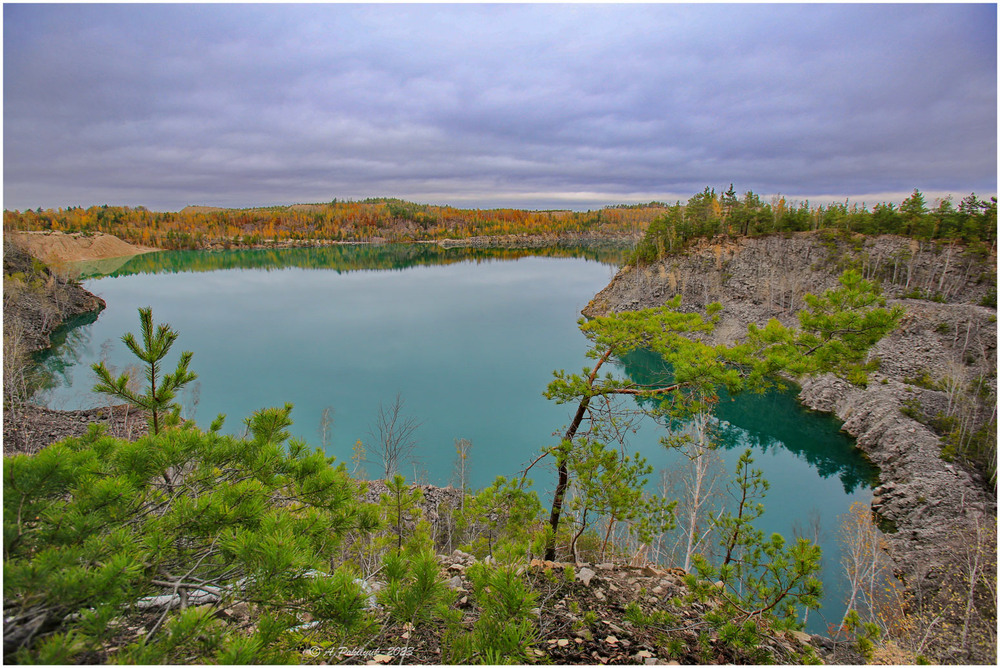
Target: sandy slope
column 59, row 247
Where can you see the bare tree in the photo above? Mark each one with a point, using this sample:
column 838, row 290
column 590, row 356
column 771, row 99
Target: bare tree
column 976, row 574
column 392, row 436
column 193, row 399
column 865, row 561
column 326, row 427
column 462, row 448
column 696, row 487
column 359, row 457
column 699, row 487
column 17, row 386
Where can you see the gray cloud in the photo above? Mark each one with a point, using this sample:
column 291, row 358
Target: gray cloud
column 538, row 105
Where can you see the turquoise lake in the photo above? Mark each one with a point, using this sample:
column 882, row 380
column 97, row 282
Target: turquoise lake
column 467, row 338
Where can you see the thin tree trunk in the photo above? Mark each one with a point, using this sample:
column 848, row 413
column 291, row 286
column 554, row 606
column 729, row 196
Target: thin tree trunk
column 563, row 483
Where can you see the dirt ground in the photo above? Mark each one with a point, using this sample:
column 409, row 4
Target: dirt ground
column 55, row 248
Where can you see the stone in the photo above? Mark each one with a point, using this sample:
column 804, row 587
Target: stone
column 456, row 583
column 614, row 628
column 803, row 638
column 585, row 575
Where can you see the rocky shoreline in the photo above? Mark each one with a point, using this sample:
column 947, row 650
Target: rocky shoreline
column 927, row 500
column 36, row 303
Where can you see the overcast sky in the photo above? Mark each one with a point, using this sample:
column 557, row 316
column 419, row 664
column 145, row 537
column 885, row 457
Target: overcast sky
column 534, row 106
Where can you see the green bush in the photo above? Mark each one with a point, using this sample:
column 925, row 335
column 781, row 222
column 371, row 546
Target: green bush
column 414, row 590
column 506, row 628
column 94, row 527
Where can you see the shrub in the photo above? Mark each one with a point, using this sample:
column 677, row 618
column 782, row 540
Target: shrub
column 99, row 532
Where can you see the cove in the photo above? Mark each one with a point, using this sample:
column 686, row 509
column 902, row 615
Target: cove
column 467, row 337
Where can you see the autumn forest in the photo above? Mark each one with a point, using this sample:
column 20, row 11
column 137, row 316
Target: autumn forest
column 972, row 221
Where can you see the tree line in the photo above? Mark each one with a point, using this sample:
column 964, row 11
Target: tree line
column 705, row 214
column 371, row 219
column 973, row 222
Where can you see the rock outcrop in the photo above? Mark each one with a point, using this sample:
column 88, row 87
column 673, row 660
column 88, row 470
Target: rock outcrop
column 36, row 301
column 947, row 335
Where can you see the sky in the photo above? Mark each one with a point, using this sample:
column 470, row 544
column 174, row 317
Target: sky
column 530, row 106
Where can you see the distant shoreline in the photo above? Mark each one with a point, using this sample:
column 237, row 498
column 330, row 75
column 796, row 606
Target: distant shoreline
column 57, row 248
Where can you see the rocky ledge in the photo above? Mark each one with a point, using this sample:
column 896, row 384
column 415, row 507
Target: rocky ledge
column 925, row 499
column 37, row 427
column 36, row 301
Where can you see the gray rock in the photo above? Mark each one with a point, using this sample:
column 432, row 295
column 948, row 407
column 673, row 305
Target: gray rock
column 760, row 278
column 585, row 575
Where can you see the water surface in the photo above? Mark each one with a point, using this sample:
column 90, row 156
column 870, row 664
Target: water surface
column 467, row 338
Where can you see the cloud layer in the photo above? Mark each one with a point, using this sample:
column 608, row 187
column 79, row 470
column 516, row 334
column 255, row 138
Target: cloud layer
column 498, row 105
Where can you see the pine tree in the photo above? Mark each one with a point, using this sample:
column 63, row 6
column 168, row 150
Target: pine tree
column 836, row 331
column 158, row 399
column 92, row 534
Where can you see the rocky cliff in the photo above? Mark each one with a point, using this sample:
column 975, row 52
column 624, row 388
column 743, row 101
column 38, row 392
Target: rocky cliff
column 946, row 340
column 36, row 301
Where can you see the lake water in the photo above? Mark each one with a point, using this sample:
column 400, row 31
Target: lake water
column 467, row 338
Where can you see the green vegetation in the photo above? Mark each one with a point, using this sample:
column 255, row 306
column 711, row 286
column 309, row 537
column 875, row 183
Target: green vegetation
column 834, row 334
column 94, row 532
column 758, row 578
column 706, row 214
column 131, row 551
column 670, row 227
column 157, row 401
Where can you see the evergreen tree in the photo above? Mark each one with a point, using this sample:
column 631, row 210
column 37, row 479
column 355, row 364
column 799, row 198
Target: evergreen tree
column 835, row 333
column 761, row 582
column 158, row 399
column 92, row 534
column 912, row 211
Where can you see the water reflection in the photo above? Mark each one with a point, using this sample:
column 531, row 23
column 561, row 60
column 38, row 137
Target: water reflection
column 774, row 420
column 340, row 258
column 70, row 344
